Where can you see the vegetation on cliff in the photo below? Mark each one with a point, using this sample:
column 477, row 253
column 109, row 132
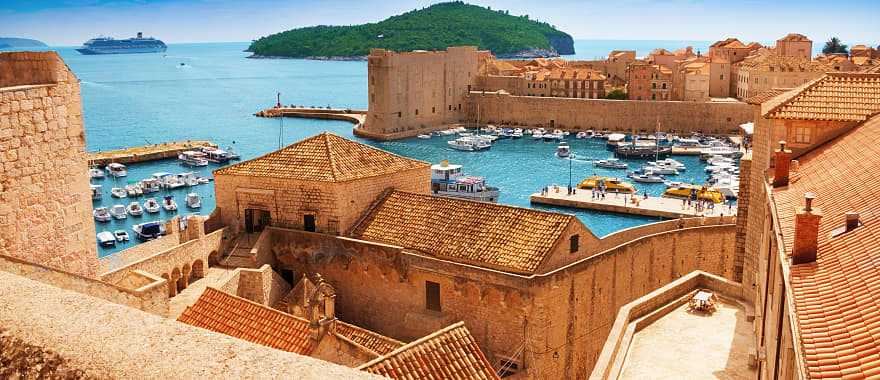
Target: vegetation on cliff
column 13, row 43
column 433, row 28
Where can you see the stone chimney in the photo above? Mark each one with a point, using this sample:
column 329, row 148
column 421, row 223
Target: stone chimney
column 806, row 232
column 852, row 221
column 783, row 165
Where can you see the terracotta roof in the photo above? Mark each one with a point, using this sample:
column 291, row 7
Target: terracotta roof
column 380, row 344
column 575, row 74
column 837, row 297
column 724, row 42
column 450, row 353
column 766, row 95
column 240, row 318
column 754, row 45
column 794, row 37
column 834, row 96
column 508, row 238
column 324, row 157
column 766, row 59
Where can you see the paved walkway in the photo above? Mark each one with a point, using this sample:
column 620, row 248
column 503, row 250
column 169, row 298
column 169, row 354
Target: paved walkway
column 622, row 203
column 215, row 277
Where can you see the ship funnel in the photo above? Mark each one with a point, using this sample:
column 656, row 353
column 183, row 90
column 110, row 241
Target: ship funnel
column 140, row 34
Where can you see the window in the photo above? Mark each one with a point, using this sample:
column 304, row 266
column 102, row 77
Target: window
column 309, row 223
column 433, row 110
column 417, row 111
column 653, row 96
column 574, row 243
column 400, row 114
column 802, row 135
column 432, row 296
column 722, row 76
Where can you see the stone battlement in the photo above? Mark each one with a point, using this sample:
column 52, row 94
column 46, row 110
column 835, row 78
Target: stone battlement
column 31, row 68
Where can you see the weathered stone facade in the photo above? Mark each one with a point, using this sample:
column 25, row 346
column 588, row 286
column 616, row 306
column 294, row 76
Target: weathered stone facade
column 45, row 207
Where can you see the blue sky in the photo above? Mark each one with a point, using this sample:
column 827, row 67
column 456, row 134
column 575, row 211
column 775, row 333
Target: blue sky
column 70, row 22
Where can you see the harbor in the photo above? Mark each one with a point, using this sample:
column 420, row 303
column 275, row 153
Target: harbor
column 629, row 204
column 356, row 117
column 145, row 153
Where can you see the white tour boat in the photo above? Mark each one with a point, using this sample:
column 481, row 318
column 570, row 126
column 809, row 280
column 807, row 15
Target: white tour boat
column 193, row 158
column 118, row 192
column 169, row 204
column 563, row 150
column 116, row 170
column 611, row 163
column 218, row 156
column 134, row 190
column 106, row 239
column 135, row 209
column 150, row 185
column 118, row 212
column 102, row 214
column 193, row 200
column 188, row 178
column 121, row 235
column 449, row 181
column 152, row 206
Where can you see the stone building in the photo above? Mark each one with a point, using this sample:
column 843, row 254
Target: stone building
column 45, row 210
column 795, row 45
column 648, row 82
column 695, row 78
column 320, row 184
column 667, row 58
column 766, row 70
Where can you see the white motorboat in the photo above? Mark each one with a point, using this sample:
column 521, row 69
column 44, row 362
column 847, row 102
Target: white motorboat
column 173, row 182
column 719, row 167
column 151, row 205
column 537, row 135
column 102, row 214
column 726, row 151
column 218, row 156
column 668, row 162
column 230, row 153
column 118, row 192
column 188, row 178
column 150, row 185
column 647, row 177
column 106, row 239
column 581, row 135
column 193, row 158
column 719, row 160
column 424, row 136
column 614, row 139
column 96, row 192
column 469, row 144
column 667, row 170
column 611, row 163
column 96, row 173
column 556, row 135
column 563, row 150
column 121, row 235
column 447, row 132
column 203, row 180
column 116, row 170
column 193, row 200
column 169, row 204
column 118, row 212
column 134, row 190
column 149, row 230
column 517, row 133
column 135, row 209
column 449, row 181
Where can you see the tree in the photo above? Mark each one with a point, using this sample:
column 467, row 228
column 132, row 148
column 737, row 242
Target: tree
column 834, row 46
column 616, row 94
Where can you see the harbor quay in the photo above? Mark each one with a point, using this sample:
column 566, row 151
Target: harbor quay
column 633, row 204
column 356, row 117
column 146, row 153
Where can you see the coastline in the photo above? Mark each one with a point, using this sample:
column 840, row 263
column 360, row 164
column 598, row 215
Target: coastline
column 524, row 54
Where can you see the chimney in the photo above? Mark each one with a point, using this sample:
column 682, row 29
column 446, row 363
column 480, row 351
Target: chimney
column 806, row 232
column 783, row 164
column 852, row 220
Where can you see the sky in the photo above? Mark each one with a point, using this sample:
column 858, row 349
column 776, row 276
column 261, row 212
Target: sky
column 70, row 22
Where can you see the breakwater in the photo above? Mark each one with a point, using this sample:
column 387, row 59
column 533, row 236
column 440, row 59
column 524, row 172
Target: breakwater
column 356, row 117
column 145, row 153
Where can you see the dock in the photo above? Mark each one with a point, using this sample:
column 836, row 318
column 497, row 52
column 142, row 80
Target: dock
column 357, row 117
column 623, row 204
column 146, row 152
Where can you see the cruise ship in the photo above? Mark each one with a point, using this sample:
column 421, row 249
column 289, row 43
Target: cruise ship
column 108, row 45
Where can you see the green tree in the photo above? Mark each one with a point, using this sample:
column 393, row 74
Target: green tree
column 616, row 94
column 834, row 46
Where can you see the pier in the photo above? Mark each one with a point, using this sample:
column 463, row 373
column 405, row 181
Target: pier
column 356, row 117
column 146, row 152
column 623, row 204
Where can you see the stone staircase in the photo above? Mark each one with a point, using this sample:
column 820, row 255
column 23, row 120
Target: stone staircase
column 240, row 255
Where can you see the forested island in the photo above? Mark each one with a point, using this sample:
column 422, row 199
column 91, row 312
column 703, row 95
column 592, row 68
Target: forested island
column 19, row 43
column 433, row 28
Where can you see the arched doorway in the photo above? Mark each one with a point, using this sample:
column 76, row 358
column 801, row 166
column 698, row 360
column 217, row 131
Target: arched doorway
column 175, row 282
column 198, row 271
column 172, row 291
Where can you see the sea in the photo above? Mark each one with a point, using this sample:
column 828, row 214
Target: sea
column 210, row 91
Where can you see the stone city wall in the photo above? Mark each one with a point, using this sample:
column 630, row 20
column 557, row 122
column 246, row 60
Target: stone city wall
column 45, row 202
column 613, row 115
column 126, row 257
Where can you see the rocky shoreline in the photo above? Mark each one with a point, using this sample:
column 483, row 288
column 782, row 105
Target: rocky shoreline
column 524, row 54
column 352, row 58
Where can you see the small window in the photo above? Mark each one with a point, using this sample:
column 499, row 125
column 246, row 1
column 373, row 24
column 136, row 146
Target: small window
column 433, row 110
column 802, row 135
column 574, row 243
column 417, row 111
column 400, row 114
column 432, row 296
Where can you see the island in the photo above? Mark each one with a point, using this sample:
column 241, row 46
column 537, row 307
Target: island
column 433, row 28
column 18, row 43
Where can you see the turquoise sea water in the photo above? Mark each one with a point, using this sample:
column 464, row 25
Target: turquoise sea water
column 135, row 99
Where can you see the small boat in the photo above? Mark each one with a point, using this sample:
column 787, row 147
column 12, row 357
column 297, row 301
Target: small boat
column 424, row 136
column 152, row 206
column 106, row 239
column 118, row 212
column 563, row 150
column 149, row 230
column 118, row 192
column 647, row 177
column 193, row 158
column 169, row 204
column 116, row 170
column 581, row 135
column 716, row 159
column 230, row 153
column 102, row 214
column 668, row 162
column 121, row 235
column 150, row 185
column 135, row 209
column 667, row 170
column 537, row 135
column 556, row 135
column 469, row 144
column 95, row 173
column 610, row 184
column 448, row 132
column 686, row 190
column 96, row 192
column 726, row 151
column 642, row 151
column 203, row 180
column 517, row 133
column 133, row 190
column 449, row 181
column 193, row 200
column 614, row 139
column 611, row 163
column 188, row 178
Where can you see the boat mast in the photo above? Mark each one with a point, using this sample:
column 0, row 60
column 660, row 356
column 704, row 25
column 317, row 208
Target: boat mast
column 657, row 141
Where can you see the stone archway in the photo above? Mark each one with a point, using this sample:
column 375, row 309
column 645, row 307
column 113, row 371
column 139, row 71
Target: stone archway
column 172, row 290
column 175, row 282
column 214, row 258
column 183, row 280
column 198, row 271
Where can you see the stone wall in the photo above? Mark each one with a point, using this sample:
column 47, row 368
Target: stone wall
column 262, row 285
column 189, row 257
column 613, row 115
column 45, row 201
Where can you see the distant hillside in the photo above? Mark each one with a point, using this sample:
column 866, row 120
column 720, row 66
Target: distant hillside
column 15, row 43
column 433, row 28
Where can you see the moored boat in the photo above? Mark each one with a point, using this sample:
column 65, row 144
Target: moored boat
column 121, row 235
column 686, row 190
column 469, row 144
column 96, row 192
column 118, row 212
column 102, row 214
column 609, row 184
column 150, row 185
column 106, row 239
column 647, row 177
column 149, row 230
column 118, row 192
column 116, row 170
column 449, row 181
column 135, row 209
column 151, row 205
column 642, row 151
column 169, row 204
column 424, row 136
column 96, row 173
column 193, row 158
column 563, row 150
column 614, row 139
column 193, row 200
column 611, row 163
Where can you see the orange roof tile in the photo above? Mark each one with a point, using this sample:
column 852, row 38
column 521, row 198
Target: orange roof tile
column 450, row 353
column 324, row 157
column 508, row 238
column 240, row 318
column 766, row 95
column 837, row 297
column 380, row 344
column 794, row 37
column 765, row 59
column 834, row 96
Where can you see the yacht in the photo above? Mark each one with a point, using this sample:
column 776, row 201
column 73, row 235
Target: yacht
column 102, row 214
column 149, row 230
column 116, row 170
column 134, row 190
column 537, row 135
column 118, row 192
column 193, row 200
column 121, row 235
column 169, row 204
column 611, row 163
column 193, row 158
column 152, row 206
column 610, row 184
column 96, row 192
column 642, row 151
column 647, row 176
column 663, row 169
column 449, row 181
column 106, row 239
column 118, row 212
column 557, row 135
column 135, row 209
column 230, row 153
column 95, row 173
column 725, row 151
column 614, row 139
column 469, row 144
column 218, row 156
column 563, row 150
column 668, row 162
column 424, row 137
